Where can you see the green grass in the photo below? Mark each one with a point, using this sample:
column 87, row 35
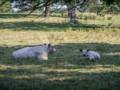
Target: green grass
column 66, row 69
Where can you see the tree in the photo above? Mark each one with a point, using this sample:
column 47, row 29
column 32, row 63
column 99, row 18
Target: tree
column 71, row 5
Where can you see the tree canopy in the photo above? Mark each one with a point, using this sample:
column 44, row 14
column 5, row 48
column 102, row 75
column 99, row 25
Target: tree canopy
column 5, row 4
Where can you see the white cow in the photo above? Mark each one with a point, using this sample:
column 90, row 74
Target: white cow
column 41, row 52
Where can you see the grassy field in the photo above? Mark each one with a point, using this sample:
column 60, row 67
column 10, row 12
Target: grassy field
column 66, row 69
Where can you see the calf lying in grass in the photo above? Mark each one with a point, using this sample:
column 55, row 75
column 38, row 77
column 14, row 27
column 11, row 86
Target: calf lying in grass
column 40, row 52
column 92, row 55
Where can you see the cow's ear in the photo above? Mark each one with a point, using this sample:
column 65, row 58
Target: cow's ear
column 80, row 50
column 49, row 45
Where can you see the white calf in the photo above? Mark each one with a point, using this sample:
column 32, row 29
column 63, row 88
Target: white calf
column 92, row 55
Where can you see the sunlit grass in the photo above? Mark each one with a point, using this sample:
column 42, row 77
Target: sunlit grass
column 9, row 37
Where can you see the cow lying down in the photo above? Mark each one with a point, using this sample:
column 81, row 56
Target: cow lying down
column 40, row 52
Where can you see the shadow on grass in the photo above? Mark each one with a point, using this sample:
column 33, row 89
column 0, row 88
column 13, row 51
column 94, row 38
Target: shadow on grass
column 94, row 81
column 68, row 53
column 42, row 26
column 65, row 70
column 14, row 15
column 34, row 26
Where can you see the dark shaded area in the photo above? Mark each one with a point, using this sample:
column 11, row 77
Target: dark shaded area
column 17, row 15
column 33, row 26
column 41, row 26
column 104, row 81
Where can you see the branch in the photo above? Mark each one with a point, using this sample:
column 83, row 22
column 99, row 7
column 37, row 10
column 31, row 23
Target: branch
column 3, row 2
column 43, row 5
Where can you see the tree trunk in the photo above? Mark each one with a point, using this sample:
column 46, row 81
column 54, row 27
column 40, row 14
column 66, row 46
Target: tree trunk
column 72, row 14
column 46, row 11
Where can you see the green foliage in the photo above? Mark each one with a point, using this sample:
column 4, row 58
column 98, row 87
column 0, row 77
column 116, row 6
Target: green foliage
column 108, row 2
column 5, row 7
column 111, row 6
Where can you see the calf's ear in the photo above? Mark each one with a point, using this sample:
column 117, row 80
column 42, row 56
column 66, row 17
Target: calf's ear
column 49, row 45
column 88, row 50
column 80, row 50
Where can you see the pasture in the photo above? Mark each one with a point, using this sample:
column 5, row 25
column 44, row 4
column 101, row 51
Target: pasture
column 66, row 69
